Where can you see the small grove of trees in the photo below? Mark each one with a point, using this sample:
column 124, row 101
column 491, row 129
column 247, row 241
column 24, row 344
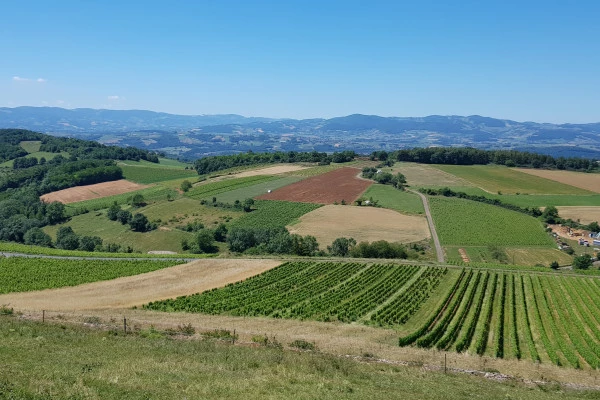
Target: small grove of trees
column 583, row 261
column 347, row 247
column 270, row 241
column 138, row 222
column 204, row 239
column 385, row 178
column 246, row 205
column 185, row 186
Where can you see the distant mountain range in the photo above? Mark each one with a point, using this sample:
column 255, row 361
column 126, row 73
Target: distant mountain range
column 191, row 137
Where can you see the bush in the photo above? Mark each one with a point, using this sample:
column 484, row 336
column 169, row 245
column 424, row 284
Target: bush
column 139, row 223
column 303, row 345
column 583, row 261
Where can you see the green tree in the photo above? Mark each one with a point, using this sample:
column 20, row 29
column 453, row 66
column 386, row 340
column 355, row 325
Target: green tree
column 550, row 215
column 341, row 246
column 399, row 181
column 55, row 213
column 220, row 233
column 124, row 216
column 138, row 200
column 583, row 261
column 36, row 236
column 89, row 243
column 204, row 242
column 113, row 211
column 139, row 223
column 67, row 239
column 554, row 265
column 186, row 186
column 248, row 203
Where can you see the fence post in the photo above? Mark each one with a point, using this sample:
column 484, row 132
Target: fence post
column 234, row 336
column 43, row 316
column 444, row 363
column 125, row 325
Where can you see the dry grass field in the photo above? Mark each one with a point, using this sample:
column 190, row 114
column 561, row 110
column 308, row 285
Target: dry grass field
column 581, row 180
column 426, row 175
column 89, row 192
column 194, row 277
column 361, row 223
column 585, row 215
column 276, row 170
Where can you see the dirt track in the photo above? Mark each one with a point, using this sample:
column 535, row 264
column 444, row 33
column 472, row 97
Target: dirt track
column 180, row 280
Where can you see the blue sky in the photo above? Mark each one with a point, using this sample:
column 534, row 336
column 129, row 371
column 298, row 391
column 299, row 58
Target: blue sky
column 522, row 60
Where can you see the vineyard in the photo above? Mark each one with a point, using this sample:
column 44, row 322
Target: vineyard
column 520, row 316
column 384, row 294
column 26, row 274
column 270, row 213
column 468, row 223
column 212, row 189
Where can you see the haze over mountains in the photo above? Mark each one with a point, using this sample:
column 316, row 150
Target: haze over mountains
column 195, row 136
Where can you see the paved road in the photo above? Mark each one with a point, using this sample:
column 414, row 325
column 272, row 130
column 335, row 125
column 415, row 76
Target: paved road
column 436, row 240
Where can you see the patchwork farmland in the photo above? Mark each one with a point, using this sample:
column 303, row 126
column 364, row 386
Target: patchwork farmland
column 328, row 188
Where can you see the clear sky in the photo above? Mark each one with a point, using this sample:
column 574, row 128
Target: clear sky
column 522, row 60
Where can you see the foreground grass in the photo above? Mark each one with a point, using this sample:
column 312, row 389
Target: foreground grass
column 106, row 365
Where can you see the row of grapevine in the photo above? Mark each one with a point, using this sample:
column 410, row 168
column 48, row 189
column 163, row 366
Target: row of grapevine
column 323, row 291
column 500, row 313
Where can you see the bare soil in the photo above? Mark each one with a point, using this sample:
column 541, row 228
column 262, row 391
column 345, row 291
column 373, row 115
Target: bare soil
column 585, row 214
column 190, row 278
column 581, row 180
column 463, row 255
column 328, row 188
column 361, row 223
column 95, row 191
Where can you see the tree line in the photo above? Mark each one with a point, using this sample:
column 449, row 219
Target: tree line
column 211, row 164
column 471, row 156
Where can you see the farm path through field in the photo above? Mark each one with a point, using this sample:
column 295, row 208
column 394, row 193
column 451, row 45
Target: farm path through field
column 436, row 241
column 136, row 290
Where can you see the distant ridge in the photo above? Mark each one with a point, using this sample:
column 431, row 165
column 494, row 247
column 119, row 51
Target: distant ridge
column 193, row 136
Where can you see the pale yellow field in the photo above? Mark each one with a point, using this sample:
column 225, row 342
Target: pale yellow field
column 361, row 223
column 276, row 170
column 583, row 214
column 581, row 180
column 425, row 175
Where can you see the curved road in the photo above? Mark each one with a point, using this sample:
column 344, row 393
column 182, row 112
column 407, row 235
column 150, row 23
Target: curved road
column 434, row 235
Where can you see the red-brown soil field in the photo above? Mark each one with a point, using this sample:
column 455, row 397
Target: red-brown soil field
column 95, row 191
column 335, row 186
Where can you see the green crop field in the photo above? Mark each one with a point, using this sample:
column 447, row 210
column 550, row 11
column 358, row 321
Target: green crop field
column 254, row 190
column 147, row 174
column 271, row 213
column 519, row 316
column 468, row 223
column 163, row 163
column 31, row 146
column 505, row 180
column 394, row 199
column 211, row 189
column 26, row 274
column 383, row 294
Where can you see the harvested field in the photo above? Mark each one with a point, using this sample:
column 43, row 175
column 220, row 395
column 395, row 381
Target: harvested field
column 426, row 175
column 361, row 223
column 136, row 290
column 585, row 215
column 276, row 170
column 89, row 192
column 335, row 186
column 581, row 180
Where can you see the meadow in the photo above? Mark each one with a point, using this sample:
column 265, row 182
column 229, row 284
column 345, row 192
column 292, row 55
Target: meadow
column 151, row 194
column 525, row 256
column 496, row 179
column 26, row 274
column 468, row 223
column 255, row 190
column 394, row 199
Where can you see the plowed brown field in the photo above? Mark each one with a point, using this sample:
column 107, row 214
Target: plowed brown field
column 335, row 186
column 95, row 191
